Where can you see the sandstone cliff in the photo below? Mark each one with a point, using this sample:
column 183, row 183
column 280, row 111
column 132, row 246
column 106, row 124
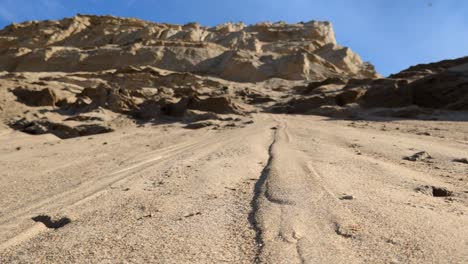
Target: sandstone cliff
column 93, row 74
column 231, row 51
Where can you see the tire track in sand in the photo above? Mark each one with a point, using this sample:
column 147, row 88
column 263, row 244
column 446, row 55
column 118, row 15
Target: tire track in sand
column 95, row 187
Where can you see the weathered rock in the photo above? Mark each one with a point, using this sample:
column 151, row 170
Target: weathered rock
column 349, row 96
column 434, row 191
column 61, row 130
column 219, row 105
column 386, row 93
column 420, row 156
column 424, row 70
column 31, row 97
column 461, row 160
column 201, row 124
column 175, row 108
column 312, row 86
column 195, row 116
column 254, row 97
column 236, row 51
column 349, row 111
column 447, row 90
column 347, row 197
column 305, row 104
column 148, row 110
column 116, row 100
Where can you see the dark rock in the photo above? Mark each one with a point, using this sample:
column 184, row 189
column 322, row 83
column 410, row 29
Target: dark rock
column 305, row 104
column 219, row 105
column 201, row 124
column 423, row 70
column 312, row 86
column 446, row 90
column 92, row 129
column 175, row 109
column 349, row 96
column 347, row 197
column 420, row 156
column 347, row 112
column 387, row 93
column 30, row 97
column 116, row 100
column 84, row 118
column 194, row 116
column 149, row 109
column 61, row 130
column 434, row 191
column 461, row 160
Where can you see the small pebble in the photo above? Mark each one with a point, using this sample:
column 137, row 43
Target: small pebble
column 347, row 197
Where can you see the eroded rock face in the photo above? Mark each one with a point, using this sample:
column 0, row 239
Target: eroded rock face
column 31, row 97
column 415, row 91
column 232, row 51
column 93, row 74
column 440, row 85
column 443, row 90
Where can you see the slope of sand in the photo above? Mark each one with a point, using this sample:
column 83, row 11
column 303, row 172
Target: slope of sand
column 285, row 189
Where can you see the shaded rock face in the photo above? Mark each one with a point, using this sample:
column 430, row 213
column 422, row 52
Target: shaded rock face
column 93, row 74
column 423, row 70
column 444, row 90
column 387, row 93
column 441, row 85
column 31, row 97
column 116, row 100
column 218, row 105
column 349, row 96
column 438, row 85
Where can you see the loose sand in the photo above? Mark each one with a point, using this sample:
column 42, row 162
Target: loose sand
column 285, row 189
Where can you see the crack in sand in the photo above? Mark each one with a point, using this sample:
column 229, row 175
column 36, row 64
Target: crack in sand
column 262, row 191
column 255, row 201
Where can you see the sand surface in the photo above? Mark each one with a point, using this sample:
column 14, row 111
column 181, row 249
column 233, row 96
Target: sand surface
column 285, row 189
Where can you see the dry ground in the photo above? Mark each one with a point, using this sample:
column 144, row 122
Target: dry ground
column 285, row 189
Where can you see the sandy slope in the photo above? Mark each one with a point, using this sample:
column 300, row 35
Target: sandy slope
column 271, row 192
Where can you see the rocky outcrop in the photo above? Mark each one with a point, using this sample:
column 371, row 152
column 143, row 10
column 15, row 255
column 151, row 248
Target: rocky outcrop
column 63, row 130
column 438, row 85
column 424, row 70
column 31, row 97
column 93, row 74
column 442, row 85
column 231, row 51
column 447, row 90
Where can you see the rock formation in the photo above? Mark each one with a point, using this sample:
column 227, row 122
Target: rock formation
column 92, row 74
column 232, row 51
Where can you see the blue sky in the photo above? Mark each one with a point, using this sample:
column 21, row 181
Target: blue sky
column 392, row 34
